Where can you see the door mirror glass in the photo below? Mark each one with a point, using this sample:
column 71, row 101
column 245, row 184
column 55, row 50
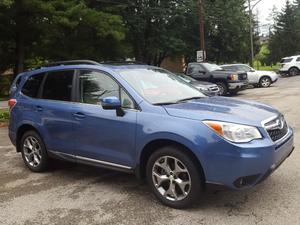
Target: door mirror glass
column 110, row 103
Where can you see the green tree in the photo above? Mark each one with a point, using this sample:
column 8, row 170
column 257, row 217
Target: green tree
column 57, row 30
column 285, row 39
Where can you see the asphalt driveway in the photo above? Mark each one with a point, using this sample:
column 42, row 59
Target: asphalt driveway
column 76, row 194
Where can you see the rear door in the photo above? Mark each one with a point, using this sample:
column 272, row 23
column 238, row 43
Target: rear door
column 55, row 109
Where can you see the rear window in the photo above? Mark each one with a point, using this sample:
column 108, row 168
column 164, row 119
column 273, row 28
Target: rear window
column 286, row 60
column 58, row 85
column 32, row 85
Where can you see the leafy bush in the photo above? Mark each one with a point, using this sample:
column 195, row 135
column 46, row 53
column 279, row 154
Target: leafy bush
column 5, row 82
column 4, row 115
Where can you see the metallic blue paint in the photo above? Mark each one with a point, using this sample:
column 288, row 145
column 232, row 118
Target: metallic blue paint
column 92, row 132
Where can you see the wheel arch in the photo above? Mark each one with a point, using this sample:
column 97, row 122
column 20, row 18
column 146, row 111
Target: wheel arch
column 155, row 145
column 21, row 131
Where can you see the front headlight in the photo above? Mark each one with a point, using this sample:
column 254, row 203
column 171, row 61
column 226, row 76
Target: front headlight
column 234, row 132
column 233, row 77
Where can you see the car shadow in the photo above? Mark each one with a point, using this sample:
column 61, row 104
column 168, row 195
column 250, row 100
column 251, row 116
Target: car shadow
column 212, row 198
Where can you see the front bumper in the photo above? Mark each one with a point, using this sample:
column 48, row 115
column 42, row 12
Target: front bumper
column 237, row 85
column 249, row 164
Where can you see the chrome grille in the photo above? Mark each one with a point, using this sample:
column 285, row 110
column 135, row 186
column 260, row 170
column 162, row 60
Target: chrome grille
column 277, row 128
column 243, row 76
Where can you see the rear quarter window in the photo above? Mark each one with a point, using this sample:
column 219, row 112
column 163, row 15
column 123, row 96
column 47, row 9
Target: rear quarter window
column 32, row 85
column 286, row 60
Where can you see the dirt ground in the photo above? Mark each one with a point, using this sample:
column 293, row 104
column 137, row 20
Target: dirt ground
column 76, row 194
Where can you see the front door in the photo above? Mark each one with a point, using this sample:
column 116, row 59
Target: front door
column 100, row 134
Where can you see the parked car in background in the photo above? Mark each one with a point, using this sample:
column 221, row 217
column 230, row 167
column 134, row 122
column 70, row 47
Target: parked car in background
column 290, row 66
column 207, row 88
column 147, row 121
column 255, row 77
column 228, row 81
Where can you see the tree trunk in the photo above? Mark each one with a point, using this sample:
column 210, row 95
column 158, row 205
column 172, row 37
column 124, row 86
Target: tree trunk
column 20, row 48
column 19, row 63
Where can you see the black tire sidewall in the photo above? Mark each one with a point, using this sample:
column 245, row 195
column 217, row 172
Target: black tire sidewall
column 197, row 178
column 44, row 160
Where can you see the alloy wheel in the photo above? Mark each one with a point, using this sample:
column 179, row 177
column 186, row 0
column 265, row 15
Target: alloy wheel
column 265, row 82
column 171, row 178
column 32, row 151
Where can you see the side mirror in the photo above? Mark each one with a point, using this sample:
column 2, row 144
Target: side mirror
column 252, row 70
column 112, row 103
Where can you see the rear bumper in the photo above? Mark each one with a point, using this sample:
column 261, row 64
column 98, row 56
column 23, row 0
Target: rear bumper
column 246, row 166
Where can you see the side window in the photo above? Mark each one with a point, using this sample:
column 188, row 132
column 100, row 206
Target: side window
column 298, row 59
column 126, row 101
column 32, row 85
column 94, row 86
column 58, row 85
column 194, row 69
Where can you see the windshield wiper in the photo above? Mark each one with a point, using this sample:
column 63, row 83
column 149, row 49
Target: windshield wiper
column 187, row 99
column 165, row 103
column 176, row 102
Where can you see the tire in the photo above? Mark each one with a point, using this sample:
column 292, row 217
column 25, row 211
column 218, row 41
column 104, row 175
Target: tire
column 162, row 180
column 293, row 71
column 34, row 152
column 222, row 88
column 233, row 92
column 265, row 82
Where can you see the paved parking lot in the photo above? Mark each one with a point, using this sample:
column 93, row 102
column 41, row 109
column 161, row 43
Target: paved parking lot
column 73, row 194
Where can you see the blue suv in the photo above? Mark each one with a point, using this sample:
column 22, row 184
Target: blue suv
column 145, row 120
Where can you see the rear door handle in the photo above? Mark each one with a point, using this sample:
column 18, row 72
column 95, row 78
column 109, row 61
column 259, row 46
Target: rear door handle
column 79, row 115
column 38, row 108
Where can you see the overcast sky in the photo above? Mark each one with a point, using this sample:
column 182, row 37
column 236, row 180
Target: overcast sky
column 265, row 6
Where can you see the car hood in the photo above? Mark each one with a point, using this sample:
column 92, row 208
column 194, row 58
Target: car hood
column 223, row 109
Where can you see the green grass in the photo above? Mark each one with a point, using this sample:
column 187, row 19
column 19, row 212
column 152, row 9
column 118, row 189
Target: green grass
column 258, row 66
column 4, row 115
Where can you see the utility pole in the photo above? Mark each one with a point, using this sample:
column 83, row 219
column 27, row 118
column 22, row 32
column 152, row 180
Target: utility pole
column 251, row 29
column 251, row 33
column 201, row 28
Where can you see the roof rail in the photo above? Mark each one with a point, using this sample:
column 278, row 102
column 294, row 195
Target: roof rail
column 122, row 62
column 71, row 62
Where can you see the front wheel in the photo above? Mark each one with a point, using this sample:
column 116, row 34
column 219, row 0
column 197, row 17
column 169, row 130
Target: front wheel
column 174, row 177
column 265, row 82
column 222, row 88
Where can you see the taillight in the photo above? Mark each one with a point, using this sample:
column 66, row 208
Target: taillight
column 11, row 103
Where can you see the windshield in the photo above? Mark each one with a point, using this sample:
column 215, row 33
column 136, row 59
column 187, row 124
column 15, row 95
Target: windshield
column 211, row 67
column 159, row 86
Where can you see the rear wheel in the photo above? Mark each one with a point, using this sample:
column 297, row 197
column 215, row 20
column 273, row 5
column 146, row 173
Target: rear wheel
column 293, row 71
column 34, row 152
column 222, row 88
column 174, row 177
column 265, row 82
